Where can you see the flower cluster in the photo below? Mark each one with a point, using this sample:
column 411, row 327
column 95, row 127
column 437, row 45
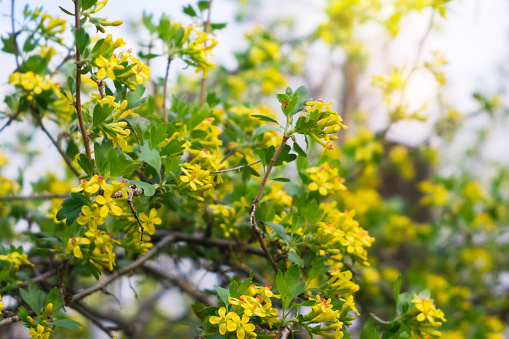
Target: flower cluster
column 95, row 246
column 33, row 84
column 423, row 318
column 325, row 179
column 16, row 259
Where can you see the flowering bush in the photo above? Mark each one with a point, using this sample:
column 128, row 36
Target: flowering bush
column 295, row 219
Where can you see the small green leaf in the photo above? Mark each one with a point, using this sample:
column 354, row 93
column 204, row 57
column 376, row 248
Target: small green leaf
column 285, row 156
column 203, row 5
column 264, row 118
column 157, row 135
column 295, row 258
column 101, row 113
column 86, row 164
column 302, row 92
column 198, row 116
column 189, row 10
column 223, row 294
column 86, row 4
column 170, row 163
column 71, row 208
column 280, row 230
column 282, row 179
column 173, row 148
column 120, row 165
column 68, row 323
column 101, row 152
column 82, row 39
column 34, row 298
column 148, row 189
column 369, row 331
column 151, row 157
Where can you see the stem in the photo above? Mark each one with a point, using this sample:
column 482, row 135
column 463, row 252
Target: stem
column 165, row 88
column 204, row 78
column 256, row 200
column 235, row 168
column 12, row 117
column 78, row 82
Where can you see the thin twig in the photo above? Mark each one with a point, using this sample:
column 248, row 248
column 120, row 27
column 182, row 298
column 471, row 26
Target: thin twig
column 78, row 82
column 12, row 117
column 165, row 88
column 235, row 168
column 135, row 264
column 100, row 87
column 68, row 161
column 184, row 287
column 131, row 205
column 68, row 57
column 256, row 200
column 92, row 318
column 204, row 78
column 137, row 137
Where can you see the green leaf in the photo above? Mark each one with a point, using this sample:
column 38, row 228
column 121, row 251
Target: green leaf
column 294, row 257
column 264, row 118
column 299, row 150
column 34, row 298
column 302, row 92
column 173, row 148
column 397, row 288
column 86, row 4
column 223, row 294
column 203, row 5
column 170, row 163
column 285, row 102
column 101, row 113
column 148, row 189
column 23, row 313
column 134, row 98
column 151, row 157
column 282, row 179
column 86, row 164
column 233, row 288
column 65, row 11
column 285, row 156
column 68, row 323
column 279, row 229
column 288, row 285
column 53, row 298
column 8, row 44
column 71, row 208
column 157, row 135
column 82, row 39
column 101, row 152
column 369, row 331
column 189, row 10
column 120, row 165
column 198, row 116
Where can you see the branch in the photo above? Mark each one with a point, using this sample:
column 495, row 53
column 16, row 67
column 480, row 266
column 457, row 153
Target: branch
column 235, row 168
column 62, row 153
column 186, row 288
column 131, row 205
column 78, row 83
column 204, row 78
column 68, row 57
column 92, row 317
column 165, row 88
column 135, row 264
column 12, row 117
column 256, row 200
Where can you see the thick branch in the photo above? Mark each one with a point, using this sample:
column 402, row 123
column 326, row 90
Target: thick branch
column 78, row 82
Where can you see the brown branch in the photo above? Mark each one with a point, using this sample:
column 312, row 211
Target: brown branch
column 165, row 88
column 100, row 87
column 12, row 117
column 132, row 266
column 131, row 206
column 92, row 318
column 184, row 287
column 235, row 168
column 35, row 113
column 78, row 82
column 204, row 78
column 68, row 57
column 256, row 200
column 7, row 321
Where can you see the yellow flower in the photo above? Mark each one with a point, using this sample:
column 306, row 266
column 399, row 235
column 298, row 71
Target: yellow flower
column 427, row 310
column 241, row 325
column 92, row 216
column 107, row 67
column 150, row 220
column 220, row 320
column 74, row 245
column 16, row 258
column 1, row 303
column 41, row 332
column 325, row 179
column 108, row 204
